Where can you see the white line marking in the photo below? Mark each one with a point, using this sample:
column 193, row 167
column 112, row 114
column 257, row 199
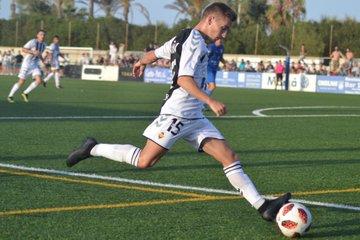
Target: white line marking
column 163, row 185
column 262, row 116
column 258, row 112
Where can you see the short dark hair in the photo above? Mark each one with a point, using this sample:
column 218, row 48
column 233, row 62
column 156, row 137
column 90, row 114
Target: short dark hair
column 41, row 30
column 56, row 36
column 220, row 8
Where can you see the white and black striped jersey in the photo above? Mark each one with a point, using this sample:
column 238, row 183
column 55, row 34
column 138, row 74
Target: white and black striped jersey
column 189, row 57
column 33, row 45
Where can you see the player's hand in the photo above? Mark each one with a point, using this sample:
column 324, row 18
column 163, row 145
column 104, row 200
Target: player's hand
column 138, row 69
column 217, row 107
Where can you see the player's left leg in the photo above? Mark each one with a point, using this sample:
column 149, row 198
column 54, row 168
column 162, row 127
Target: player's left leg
column 37, row 81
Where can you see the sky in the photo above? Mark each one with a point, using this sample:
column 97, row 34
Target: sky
column 316, row 9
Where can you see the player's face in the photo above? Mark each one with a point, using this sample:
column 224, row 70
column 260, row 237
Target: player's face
column 220, row 26
column 56, row 40
column 40, row 36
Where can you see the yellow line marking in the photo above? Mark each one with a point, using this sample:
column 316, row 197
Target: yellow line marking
column 104, row 206
column 103, row 184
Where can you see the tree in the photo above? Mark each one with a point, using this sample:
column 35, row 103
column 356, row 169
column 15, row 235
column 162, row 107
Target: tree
column 126, row 6
column 189, row 8
column 285, row 12
column 13, row 9
column 62, row 5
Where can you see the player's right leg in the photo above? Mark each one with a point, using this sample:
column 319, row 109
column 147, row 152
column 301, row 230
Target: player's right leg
column 220, row 150
column 126, row 153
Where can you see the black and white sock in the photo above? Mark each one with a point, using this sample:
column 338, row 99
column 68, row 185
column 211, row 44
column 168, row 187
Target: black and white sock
column 241, row 182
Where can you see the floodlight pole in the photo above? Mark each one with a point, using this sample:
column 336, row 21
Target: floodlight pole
column 287, row 66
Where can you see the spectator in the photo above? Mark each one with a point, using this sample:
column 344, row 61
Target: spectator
column 355, row 71
column 335, row 61
column 18, row 60
column 302, row 53
column 113, row 53
column 249, row 67
column 260, row 67
column 269, row 68
column 349, row 59
column 121, row 50
column 100, row 60
column 279, row 70
column 242, row 66
column 85, row 59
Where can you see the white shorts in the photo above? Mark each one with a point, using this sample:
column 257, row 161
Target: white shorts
column 26, row 70
column 165, row 130
column 55, row 65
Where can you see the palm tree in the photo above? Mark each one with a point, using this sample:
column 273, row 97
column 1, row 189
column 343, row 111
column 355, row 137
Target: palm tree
column 60, row 5
column 126, row 6
column 91, row 8
column 13, row 9
column 110, row 7
column 189, row 8
column 285, row 12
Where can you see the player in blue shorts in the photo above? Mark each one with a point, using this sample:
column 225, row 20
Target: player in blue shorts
column 216, row 51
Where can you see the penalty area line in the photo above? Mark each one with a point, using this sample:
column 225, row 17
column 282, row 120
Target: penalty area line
column 184, row 187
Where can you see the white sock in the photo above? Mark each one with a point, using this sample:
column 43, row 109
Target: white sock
column 48, row 77
column 14, row 89
column 243, row 183
column 120, row 153
column 31, row 87
column 57, row 79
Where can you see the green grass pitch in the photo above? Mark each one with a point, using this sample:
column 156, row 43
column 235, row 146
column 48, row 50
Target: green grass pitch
column 316, row 158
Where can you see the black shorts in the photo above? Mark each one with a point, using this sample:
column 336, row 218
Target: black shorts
column 279, row 76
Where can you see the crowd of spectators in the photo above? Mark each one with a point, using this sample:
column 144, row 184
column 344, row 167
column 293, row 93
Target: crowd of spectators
column 337, row 64
column 10, row 62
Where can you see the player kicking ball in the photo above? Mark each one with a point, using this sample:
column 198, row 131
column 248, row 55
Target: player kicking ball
column 181, row 115
column 54, row 62
column 30, row 66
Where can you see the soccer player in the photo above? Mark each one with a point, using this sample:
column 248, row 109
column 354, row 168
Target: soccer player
column 54, row 62
column 181, row 115
column 216, row 51
column 30, row 65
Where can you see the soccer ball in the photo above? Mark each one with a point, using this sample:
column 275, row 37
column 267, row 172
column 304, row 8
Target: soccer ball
column 294, row 219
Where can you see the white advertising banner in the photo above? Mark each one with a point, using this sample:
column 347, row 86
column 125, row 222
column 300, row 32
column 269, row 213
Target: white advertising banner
column 302, row 83
column 100, row 73
column 268, row 81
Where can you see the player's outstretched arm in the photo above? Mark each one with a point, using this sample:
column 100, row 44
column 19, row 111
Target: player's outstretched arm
column 139, row 67
column 188, row 83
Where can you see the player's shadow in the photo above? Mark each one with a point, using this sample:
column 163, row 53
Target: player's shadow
column 345, row 228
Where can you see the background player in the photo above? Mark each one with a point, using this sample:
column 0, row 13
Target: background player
column 181, row 115
column 31, row 65
column 54, row 62
column 216, row 52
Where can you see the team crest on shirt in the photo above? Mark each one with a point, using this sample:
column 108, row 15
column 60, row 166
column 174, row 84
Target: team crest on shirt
column 161, row 135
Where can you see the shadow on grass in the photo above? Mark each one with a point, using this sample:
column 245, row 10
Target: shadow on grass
column 346, row 228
